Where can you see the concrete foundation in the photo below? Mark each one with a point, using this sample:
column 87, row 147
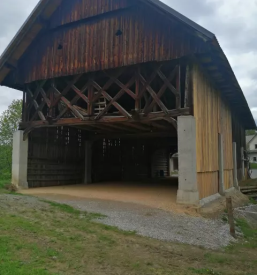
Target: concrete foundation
column 88, row 162
column 188, row 188
column 20, row 160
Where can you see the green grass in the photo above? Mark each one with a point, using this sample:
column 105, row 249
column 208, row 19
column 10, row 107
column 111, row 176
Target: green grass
column 253, row 165
column 4, row 182
column 204, row 271
column 56, row 239
column 64, row 207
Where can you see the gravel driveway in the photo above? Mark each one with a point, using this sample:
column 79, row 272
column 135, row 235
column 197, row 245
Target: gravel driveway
column 156, row 223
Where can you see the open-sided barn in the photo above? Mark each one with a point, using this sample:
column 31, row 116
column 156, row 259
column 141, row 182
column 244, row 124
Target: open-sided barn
column 113, row 88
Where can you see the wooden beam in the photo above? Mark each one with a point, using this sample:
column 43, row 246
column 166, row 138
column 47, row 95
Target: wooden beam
column 135, row 135
column 116, row 105
column 148, row 81
column 109, row 119
column 148, row 106
column 106, row 86
column 116, row 97
column 178, row 88
column 35, row 95
column 66, row 90
column 138, row 86
column 80, row 93
column 76, row 98
column 69, row 105
column 38, row 111
column 154, row 96
column 187, row 86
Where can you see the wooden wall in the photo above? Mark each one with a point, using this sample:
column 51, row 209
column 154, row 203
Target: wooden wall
column 56, row 157
column 93, row 45
column 213, row 116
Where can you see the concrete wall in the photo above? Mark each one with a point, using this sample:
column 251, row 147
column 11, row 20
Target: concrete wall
column 20, row 160
column 188, row 187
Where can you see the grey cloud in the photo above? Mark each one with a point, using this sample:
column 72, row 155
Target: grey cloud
column 193, row 9
column 7, row 96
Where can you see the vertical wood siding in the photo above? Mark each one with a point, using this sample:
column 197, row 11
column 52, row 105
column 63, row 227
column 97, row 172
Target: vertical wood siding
column 213, row 116
column 93, row 46
column 207, row 184
column 56, row 157
column 71, row 11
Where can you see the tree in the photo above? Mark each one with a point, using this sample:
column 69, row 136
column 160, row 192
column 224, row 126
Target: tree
column 9, row 123
column 250, row 132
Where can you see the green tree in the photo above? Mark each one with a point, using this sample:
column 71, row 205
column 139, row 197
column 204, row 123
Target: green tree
column 9, row 123
column 250, row 132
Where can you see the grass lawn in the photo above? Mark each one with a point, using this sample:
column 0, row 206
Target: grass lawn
column 57, row 239
column 253, row 165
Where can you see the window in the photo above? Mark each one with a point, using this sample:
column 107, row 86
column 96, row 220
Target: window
column 254, row 158
column 255, row 146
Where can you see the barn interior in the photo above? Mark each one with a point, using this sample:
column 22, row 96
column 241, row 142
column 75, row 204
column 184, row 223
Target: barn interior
column 118, row 147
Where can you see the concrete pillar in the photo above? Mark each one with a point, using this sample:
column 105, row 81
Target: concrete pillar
column 88, row 162
column 20, row 160
column 221, row 166
column 235, row 179
column 243, row 162
column 188, row 188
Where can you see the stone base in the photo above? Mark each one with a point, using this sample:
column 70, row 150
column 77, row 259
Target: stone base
column 210, row 199
column 188, row 197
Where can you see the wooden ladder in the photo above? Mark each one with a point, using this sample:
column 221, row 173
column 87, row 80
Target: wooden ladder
column 100, row 105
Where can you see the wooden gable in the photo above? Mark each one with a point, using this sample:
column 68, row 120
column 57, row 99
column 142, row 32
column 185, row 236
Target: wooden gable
column 86, row 35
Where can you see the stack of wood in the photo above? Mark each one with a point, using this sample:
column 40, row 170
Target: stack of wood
column 250, row 191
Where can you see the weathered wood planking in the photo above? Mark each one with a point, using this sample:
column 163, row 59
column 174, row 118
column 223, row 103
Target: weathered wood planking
column 93, row 45
column 207, row 184
column 228, row 179
column 56, row 157
column 213, row 116
column 71, row 11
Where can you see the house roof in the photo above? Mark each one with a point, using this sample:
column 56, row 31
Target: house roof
column 223, row 76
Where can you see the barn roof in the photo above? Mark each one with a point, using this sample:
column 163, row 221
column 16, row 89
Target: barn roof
column 216, row 63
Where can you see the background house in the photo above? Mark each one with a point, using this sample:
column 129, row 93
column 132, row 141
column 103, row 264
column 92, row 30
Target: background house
column 251, row 145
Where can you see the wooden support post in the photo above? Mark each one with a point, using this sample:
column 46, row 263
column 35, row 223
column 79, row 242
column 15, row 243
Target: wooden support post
column 231, row 217
column 88, row 162
column 138, row 99
column 187, row 87
column 178, row 88
column 90, row 98
column 221, row 166
column 24, row 106
column 235, row 180
column 243, row 162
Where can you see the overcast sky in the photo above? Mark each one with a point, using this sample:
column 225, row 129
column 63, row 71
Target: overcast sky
column 233, row 21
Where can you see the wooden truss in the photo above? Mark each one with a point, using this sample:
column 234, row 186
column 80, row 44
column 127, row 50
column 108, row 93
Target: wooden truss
column 143, row 98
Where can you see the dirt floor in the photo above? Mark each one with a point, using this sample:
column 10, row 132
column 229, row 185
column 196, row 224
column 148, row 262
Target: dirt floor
column 161, row 195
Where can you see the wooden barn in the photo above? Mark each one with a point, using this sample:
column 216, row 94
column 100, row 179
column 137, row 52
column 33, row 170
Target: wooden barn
column 112, row 89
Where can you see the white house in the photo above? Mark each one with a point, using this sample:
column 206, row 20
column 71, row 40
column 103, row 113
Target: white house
column 251, row 145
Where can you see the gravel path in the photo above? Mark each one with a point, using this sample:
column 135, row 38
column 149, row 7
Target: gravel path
column 156, row 223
